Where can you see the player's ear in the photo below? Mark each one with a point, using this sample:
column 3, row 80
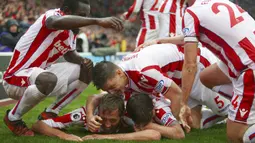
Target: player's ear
column 118, row 72
column 67, row 11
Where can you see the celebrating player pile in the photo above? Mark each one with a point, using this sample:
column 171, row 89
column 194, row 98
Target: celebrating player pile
column 178, row 82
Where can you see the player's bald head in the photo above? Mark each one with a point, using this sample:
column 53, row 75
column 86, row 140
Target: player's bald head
column 74, row 6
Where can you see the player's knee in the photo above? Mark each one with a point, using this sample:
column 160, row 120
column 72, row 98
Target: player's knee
column 46, row 82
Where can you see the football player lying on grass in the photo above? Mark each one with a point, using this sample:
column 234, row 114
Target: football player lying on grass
column 144, row 111
column 110, row 115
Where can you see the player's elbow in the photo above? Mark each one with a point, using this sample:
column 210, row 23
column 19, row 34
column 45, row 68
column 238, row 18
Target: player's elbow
column 154, row 135
column 179, row 133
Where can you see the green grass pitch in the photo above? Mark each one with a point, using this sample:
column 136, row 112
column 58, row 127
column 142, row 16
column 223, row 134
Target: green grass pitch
column 216, row 134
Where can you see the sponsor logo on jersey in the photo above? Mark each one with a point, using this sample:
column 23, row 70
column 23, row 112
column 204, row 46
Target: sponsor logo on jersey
column 159, row 87
column 185, row 31
column 58, row 45
column 143, row 79
column 76, row 117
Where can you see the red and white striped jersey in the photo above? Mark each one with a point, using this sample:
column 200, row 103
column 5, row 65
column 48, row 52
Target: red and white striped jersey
column 153, row 69
column 225, row 29
column 39, row 47
column 175, row 10
column 173, row 6
column 143, row 6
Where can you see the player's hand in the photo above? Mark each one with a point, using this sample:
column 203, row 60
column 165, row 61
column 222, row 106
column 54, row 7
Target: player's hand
column 86, row 71
column 71, row 137
column 111, row 22
column 94, row 123
column 185, row 117
column 146, row 44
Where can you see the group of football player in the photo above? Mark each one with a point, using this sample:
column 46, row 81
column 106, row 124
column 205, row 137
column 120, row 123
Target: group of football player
column 192, row 68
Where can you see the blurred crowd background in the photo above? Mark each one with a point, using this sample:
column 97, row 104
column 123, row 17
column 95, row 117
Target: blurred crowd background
column 17, row 15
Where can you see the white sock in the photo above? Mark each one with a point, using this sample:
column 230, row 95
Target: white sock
column 209, row 118
column 31, row 97
column 249, row 135
column 225, row 90
column 74, row 89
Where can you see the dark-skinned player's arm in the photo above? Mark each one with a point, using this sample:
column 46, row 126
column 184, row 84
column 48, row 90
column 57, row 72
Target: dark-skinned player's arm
column 69, row 22
column 85, row 64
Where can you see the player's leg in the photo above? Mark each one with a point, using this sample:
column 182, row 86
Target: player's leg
column 70, row 84
column 213, row 76
column 41, row 85
column 203, row 118
column 240, row 127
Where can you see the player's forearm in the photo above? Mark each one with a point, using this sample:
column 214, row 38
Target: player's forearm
column 189, row 70
column 73, row 57
column 69, row 22
column 145, row 135
column 174, row 94
column 173, row 132
column 42, row 128
column 177, row 40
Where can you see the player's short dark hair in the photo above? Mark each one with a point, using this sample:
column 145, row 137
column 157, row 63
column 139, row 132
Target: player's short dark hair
column 110, row 102
column 140, row 109
column 103, row 71
column 73, row 4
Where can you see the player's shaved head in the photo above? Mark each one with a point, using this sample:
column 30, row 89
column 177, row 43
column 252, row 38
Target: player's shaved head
column 140, row 109
column 73, row 5
column 102, row 72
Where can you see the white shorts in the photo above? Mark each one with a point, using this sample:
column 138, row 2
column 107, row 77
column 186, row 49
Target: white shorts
column 65, row 72
column 242, row 108
column 201, row 95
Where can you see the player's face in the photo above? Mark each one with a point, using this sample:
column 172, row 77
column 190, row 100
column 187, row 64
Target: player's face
column 111, row 121
column 82, row 10
column 117, row 84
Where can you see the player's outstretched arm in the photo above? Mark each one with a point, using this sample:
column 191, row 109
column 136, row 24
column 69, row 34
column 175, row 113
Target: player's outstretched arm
column 177, row 40
column 145, row 135
column 42, row 128
column 188, row 75
column 69, row 22
column 171, row 132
